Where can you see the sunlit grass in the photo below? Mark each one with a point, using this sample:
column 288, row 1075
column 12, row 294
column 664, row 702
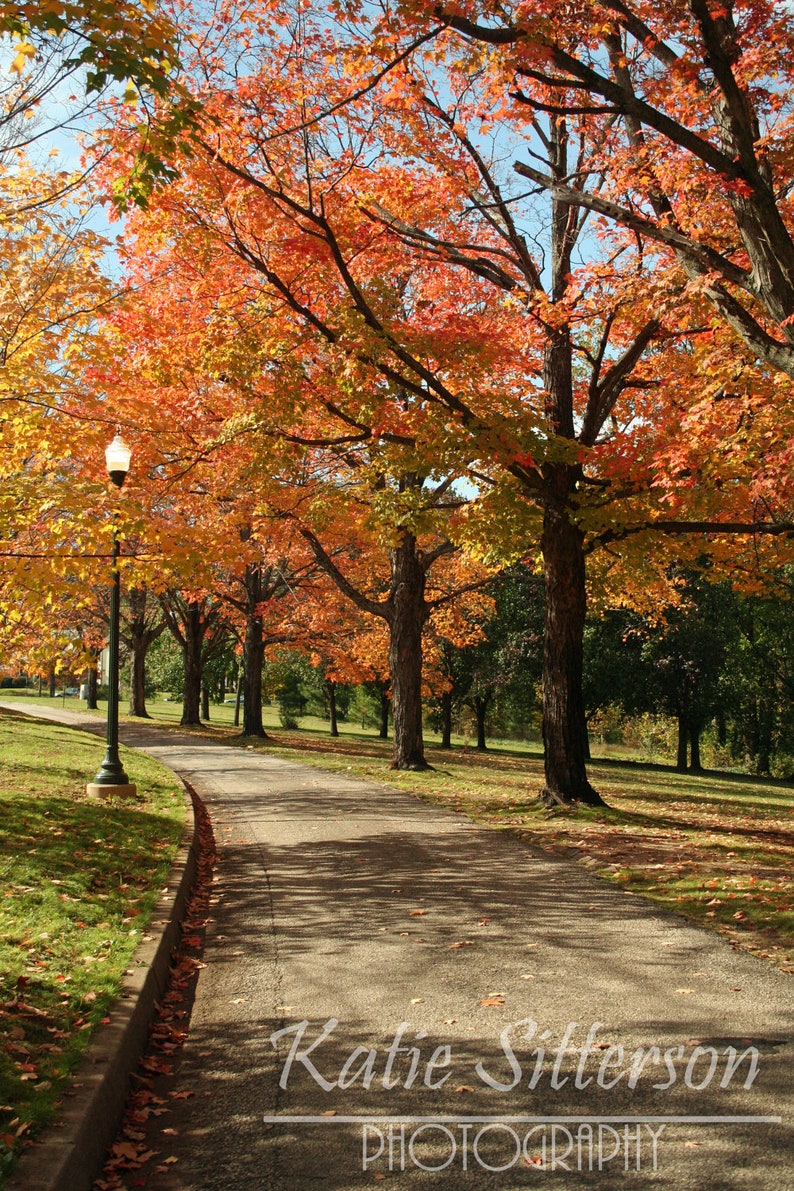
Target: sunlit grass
column 78, row 881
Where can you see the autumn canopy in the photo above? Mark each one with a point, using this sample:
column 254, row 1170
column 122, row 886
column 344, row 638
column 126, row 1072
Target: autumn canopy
column 405, row 295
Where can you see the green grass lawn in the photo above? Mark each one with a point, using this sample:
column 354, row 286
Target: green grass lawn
column 78, row 881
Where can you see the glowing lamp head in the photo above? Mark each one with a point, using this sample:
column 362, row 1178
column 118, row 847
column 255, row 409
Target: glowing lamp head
column 117, row 458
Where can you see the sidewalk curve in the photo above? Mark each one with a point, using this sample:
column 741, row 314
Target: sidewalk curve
column 394, row 993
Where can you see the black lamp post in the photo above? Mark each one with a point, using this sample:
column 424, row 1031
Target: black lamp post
column 112, row 771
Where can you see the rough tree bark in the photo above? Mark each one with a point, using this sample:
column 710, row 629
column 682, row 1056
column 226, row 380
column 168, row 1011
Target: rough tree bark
column 683, row 740
column 406, row 620
column 446, row 720
column 564, row 726
column 480, row 704
column 330, row 687
column 92, row 683
column 383, row 727
column 193, row 636
column 142, row 628
column 253, row 653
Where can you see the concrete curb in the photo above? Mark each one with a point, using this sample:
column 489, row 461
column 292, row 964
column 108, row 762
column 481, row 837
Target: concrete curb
column 70, row 1154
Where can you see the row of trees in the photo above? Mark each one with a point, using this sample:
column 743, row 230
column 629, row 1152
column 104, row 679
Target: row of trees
column 429, row 292
column 717, row 661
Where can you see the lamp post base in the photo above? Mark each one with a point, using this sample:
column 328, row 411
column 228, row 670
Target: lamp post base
column 105, row 790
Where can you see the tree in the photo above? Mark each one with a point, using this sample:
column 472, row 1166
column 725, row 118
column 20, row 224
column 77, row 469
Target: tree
column 501, row 670
column 392, row 289
column 94, row 47
column 686, row 655
column 142, row 625
column 381, row 350
column 51, row 290
column 405, row 601
column 758, row 679
column 195, row 620
column 699, row 98
column 252, row 593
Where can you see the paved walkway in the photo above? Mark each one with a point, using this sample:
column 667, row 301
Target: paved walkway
column 370, row 956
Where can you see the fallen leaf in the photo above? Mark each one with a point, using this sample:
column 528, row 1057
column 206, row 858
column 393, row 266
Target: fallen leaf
column 124, row 1149
column 493, row 1001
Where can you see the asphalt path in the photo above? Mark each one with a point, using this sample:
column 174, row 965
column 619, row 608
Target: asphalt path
column 392, row 993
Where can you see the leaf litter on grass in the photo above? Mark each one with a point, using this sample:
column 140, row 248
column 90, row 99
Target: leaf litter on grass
column 78, row 879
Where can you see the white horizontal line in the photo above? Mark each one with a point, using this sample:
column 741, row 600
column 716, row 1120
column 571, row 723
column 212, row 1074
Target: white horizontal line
column 441, row 1119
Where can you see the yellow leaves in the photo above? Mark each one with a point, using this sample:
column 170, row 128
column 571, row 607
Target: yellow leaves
column 25, row 52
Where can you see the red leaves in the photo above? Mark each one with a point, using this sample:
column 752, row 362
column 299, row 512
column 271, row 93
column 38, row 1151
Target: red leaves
column 136, row 1146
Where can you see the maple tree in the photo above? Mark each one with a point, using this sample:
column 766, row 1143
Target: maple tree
column 54, row 531
column 195, row 620
column 141, row 624
column 258, row 594
column 699, row 96
column 366, row 279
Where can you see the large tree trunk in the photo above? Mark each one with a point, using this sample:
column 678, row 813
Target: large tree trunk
column 331, row 689
column 91, row 682
column 253, row 656
column 191, row 653
column 138, row 679
column 695, row 763
column 446, row 720
column 683, row 737
column 480, row 709
column 142, row 628
column 383, row 728
column 406, row 621
column 563, row 704
column 205, row 701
